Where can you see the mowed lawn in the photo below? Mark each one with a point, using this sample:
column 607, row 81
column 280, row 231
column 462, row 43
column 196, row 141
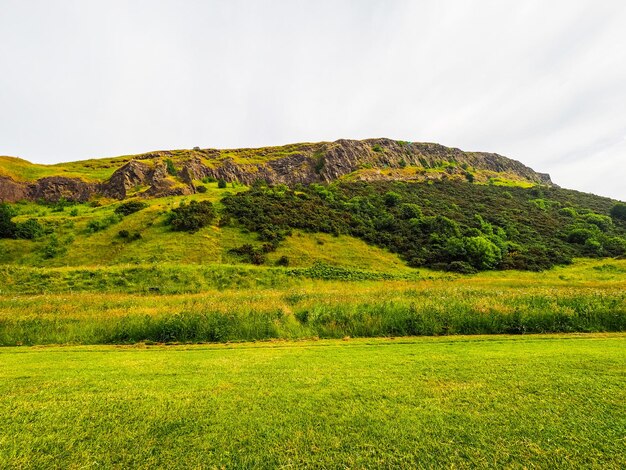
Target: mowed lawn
column 537, row 401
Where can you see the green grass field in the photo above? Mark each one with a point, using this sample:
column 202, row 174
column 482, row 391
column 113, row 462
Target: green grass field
column 464, row 402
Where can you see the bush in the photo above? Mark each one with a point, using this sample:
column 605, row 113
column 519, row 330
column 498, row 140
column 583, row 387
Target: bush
column 7, row 227
column 618, row 211
column 392, row 199
column 126, row 235
column 579, row 235
column 29, row 230
column 603, row 222
column 461, row 267
column 201, row 189
column 283, row 261
column 130, row 207
column 171, row 169
column 191, row 217
column 221, row 183
column 98, row 225
column 482, row 253
column 52, row 248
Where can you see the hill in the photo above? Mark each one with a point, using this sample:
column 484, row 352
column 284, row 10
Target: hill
column 179, row 172
column 377, row 205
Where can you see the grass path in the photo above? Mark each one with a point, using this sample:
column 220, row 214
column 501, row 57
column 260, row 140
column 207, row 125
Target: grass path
column 482, row 401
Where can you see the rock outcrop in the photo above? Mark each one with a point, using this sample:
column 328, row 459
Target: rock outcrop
column 54, row 188
column 136, row 174
column 12, row 191
column 300, row 163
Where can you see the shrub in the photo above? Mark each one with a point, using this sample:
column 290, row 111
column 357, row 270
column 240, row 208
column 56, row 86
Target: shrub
column 482, row 253
column 568, row 212
column 130, row 207
column 29, row 230
column 126, row 235
column 171, row 169
column 579, row 235
column 7, row 227
column 603, row 222
column 98, row 225
column 392, row 199
column 52, row 248
column 377, row 148
column 283, row 261
column 410, row 211
column 201, row 189
column 618, row 211
column 209, row 179
column 461, row 267
column 191, row 217
column 221, row 183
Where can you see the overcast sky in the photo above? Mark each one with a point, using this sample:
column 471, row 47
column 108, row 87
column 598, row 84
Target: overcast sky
column 543, row 82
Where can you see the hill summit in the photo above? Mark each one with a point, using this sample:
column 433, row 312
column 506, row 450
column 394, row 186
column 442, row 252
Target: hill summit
column 178, row 172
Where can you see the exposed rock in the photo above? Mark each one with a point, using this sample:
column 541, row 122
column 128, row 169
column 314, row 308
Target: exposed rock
column 12, row 191
column 129, row 176
column 54, row 188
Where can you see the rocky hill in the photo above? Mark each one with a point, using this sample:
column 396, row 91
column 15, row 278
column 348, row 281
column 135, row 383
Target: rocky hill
column 179, row 172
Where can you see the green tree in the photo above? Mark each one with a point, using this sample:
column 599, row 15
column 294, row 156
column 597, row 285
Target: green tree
column 482, row 253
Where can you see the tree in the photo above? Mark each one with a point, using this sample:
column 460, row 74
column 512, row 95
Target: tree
column 482, row 253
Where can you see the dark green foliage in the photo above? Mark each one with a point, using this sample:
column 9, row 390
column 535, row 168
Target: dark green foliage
column 392, row 199
column 61, row 204
column 319, row 162
column 7, row 227
column 209, row 179
column 201, row 189
column 191, row 217
column 603, row 222
column 94, row 226
column 221, row 183
column 29, row 230
column 171, row 169
column 251, row 254
column 283, row 261
column 377, row 148
column 53, row 248
column 130, row 207
column 618, row 211
column 445, row 225
column 128, row 236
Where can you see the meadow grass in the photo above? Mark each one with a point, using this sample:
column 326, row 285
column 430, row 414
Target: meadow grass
column 463, row 402
column 174, row 303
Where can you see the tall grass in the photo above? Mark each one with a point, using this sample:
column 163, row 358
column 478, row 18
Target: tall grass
column 236, row 316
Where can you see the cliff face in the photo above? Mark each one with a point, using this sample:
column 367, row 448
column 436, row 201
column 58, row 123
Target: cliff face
column 148, row 176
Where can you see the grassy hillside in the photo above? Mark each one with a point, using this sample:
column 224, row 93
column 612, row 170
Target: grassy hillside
column 532, row 402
